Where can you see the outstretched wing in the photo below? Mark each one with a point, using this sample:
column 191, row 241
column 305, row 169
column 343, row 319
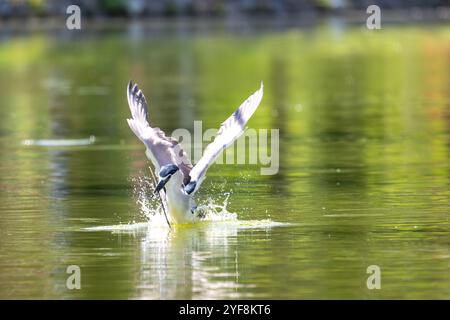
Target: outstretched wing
column 229, row 131
column 161, row 150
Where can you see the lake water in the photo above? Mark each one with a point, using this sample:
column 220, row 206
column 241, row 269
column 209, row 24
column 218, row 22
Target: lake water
column 363, row 178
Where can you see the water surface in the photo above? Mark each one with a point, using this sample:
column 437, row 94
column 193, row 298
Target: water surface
column 363, row 179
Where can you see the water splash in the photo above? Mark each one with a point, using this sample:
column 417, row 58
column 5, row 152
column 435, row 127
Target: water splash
column 151, row 207
column 211, row 209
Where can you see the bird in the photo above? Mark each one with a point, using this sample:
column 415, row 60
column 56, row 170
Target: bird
column 177, row 179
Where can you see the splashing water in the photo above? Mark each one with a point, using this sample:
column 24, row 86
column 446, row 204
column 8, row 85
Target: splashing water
column 151, row 206
column 210, row 210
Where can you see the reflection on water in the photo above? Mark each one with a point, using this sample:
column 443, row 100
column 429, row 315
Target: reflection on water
column 364, row 163
column 197, row 251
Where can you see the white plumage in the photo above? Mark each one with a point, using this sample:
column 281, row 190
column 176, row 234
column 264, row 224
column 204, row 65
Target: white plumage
column 176, row 173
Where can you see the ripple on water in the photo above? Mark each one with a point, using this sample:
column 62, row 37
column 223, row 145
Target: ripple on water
column 213, row 212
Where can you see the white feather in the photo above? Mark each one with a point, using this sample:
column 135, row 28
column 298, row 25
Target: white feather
column 229, row 131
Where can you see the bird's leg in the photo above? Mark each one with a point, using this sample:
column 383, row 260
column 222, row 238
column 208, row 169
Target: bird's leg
column 163, row 199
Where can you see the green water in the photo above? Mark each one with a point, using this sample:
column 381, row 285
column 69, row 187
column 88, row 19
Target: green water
column 364, row 163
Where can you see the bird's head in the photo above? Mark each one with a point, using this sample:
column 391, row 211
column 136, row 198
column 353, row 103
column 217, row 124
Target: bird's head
column 190, row 187
column 164, row 175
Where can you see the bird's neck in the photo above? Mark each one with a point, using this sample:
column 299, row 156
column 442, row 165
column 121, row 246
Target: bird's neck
column 179, row 204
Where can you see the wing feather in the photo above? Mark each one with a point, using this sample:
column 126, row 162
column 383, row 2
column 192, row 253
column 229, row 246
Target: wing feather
column 162, row 150
column 231, row 129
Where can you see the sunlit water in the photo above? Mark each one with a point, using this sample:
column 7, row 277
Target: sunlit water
column 364, row 163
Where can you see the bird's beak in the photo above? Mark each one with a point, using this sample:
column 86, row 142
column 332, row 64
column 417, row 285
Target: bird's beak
column 161, row 184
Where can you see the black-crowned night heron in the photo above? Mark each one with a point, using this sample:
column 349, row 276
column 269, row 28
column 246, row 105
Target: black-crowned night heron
column 178, row 178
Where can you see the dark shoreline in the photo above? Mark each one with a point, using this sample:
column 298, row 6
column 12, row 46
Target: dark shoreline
column 425, row 16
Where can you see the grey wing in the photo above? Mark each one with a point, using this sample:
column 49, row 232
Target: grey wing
column 229, row 131
column 161, row 150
